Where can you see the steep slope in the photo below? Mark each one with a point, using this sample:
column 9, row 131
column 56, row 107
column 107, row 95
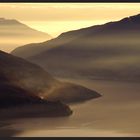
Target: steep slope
column 109, row 51
column 14, row 33
column 18, row 102
column 33, row 79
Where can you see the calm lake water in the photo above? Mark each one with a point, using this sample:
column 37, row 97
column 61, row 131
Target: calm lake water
column 116, row 113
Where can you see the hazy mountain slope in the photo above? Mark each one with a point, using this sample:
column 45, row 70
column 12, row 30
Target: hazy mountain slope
column 35, row 80
column 36, row 48
column 109, row 51
column 14, row 33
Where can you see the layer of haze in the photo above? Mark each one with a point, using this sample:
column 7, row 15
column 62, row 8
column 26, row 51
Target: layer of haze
column 55, row 18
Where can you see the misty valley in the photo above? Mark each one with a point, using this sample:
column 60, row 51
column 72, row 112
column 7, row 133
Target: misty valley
column 84, row 82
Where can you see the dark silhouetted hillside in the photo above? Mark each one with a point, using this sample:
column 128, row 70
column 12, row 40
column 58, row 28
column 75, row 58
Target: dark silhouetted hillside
column 28, row 77
column 18, row 102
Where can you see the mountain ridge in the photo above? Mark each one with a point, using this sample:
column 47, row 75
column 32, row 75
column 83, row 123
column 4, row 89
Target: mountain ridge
column 108, row 51
column 79, row 32
column 18, row 34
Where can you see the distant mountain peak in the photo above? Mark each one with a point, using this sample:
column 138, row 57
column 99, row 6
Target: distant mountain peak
column 1, row 19
column 4, row 20
column 18, row 34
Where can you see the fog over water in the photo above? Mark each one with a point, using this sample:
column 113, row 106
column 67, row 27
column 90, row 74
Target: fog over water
column 116, row 113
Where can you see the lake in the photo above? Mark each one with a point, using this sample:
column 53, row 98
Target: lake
column 116, row 113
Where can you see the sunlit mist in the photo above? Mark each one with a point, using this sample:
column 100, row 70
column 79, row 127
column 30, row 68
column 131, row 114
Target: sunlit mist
column 55, row 18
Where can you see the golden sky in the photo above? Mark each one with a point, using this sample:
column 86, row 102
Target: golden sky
column 55, row 18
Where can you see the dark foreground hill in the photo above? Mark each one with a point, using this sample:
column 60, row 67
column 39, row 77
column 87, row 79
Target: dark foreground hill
column 28, row 77
column 110, row 51
column 17, row 102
